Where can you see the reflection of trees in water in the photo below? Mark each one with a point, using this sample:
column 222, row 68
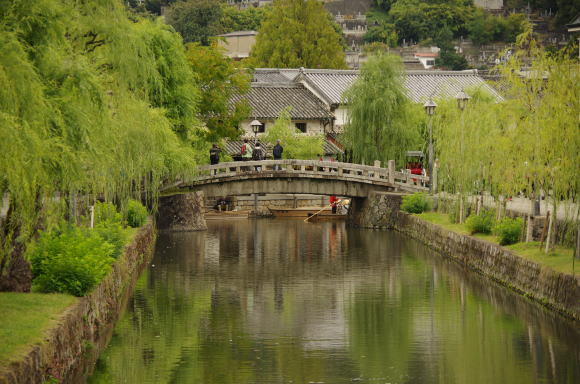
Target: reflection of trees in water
column 278, row 300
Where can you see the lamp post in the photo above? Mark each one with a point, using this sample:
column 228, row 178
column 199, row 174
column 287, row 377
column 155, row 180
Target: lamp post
column 430, row 110
column 462, row 99
column 256, row 125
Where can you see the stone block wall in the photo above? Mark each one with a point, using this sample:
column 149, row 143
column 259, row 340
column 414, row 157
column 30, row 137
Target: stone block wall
column 70, row 350
column 555, row 290
column 184, row 212
column 379, row 210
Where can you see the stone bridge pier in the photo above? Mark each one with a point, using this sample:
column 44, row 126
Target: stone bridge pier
column 182, row 212
column 378, row 210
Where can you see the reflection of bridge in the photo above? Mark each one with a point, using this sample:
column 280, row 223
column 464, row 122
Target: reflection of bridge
column 298, row 177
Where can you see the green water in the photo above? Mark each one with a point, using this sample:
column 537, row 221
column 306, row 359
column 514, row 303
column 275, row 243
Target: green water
column 282, row 301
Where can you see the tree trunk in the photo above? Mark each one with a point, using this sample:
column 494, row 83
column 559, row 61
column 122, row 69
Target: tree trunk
column 548, row 237
column 461, row 209
column 530, row 228
column 15, row 272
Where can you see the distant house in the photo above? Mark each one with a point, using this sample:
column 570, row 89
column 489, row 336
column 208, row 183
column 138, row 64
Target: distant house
column 427, row 59
column 268, row 99
column 490, row 5
column 238, row 44
column 315, row 97
column 574, row 27
column 328, row 85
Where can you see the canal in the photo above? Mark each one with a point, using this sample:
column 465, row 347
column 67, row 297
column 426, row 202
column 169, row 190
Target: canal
column 283, row 301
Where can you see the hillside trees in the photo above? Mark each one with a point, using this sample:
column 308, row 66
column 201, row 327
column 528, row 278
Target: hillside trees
column 199, row 21
column 92, row 104
column 381, row 121
column 298, row 33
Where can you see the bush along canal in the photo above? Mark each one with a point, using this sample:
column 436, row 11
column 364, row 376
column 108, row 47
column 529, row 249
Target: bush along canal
column 283, row 301
column 52, row 336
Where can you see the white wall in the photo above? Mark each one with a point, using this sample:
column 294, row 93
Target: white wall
column 312, row 126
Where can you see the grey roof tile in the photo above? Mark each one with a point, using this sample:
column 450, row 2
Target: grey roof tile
column 267, row 100
column 420, row 85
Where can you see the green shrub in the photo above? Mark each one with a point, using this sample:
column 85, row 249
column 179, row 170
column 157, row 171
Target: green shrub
column 136, row 214
column 71, row 260
column 482, row 223
column 415, row 203
column 114, row 234
column 508, row 230
column 107, row 212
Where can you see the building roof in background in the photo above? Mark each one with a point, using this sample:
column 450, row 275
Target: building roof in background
column 267, row 100
column 420, row 84
column 239, row 33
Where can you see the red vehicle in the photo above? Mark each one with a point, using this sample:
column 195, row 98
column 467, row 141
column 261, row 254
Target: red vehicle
column 415, row 162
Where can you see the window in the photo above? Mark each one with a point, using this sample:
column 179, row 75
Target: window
column 430, row 62
column 301, row 127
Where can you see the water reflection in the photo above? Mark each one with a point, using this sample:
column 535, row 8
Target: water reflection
column 281, row 301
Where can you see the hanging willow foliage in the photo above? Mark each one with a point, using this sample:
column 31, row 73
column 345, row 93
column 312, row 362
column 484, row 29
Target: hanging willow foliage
column 92, row 103
column 529, row 143
column 382, row 124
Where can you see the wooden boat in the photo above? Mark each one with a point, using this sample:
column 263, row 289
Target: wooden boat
column 304, row 212
column 214, row 215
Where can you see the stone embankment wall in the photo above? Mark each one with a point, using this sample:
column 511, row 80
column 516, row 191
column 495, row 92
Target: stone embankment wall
column 70, row 349
column 379, row 210
column 555, row 290
column 183, row 212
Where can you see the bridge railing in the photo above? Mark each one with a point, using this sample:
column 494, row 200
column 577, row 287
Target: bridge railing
column 313, row 168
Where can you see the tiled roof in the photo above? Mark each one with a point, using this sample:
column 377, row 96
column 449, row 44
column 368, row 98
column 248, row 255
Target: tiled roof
column 269, row 76
column 420, row 85
column 267, row 100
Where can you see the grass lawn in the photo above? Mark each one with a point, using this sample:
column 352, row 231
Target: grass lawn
column 560, row 259
column 25, row 318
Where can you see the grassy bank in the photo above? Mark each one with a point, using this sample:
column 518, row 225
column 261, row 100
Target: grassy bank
column 560, row 259
column 25, row 318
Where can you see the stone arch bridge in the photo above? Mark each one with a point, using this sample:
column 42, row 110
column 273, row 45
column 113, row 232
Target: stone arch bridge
column 368, row 186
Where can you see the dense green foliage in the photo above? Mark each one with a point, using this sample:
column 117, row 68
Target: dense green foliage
column 527, row 144
column 296, row 144
column 92, row 103
column 421, row 21
column 298, row 33
column 199, row 21
column 382, row 124
column 415, row 203
column 196, row 21
column 220, row 78
column 70, row 260
column 508, row 230
column 136, row 214
column 485, row 28
column 448, row 58
column 482, row 223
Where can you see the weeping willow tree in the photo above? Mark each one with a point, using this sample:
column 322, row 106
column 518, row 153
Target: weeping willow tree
column 465, row 145
column 543, row 134
column 296, row 144
column 382, row 124
column 92, row 104
column 527, row 144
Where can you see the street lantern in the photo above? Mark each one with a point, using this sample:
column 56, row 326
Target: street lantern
column 462, row 99
column 256, row 125
column 430, row 107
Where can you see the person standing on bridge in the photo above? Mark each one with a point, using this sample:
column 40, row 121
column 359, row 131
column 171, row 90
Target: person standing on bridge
column 277, row 153
column 246, row 151
column 214, row 156
column 258, row 155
